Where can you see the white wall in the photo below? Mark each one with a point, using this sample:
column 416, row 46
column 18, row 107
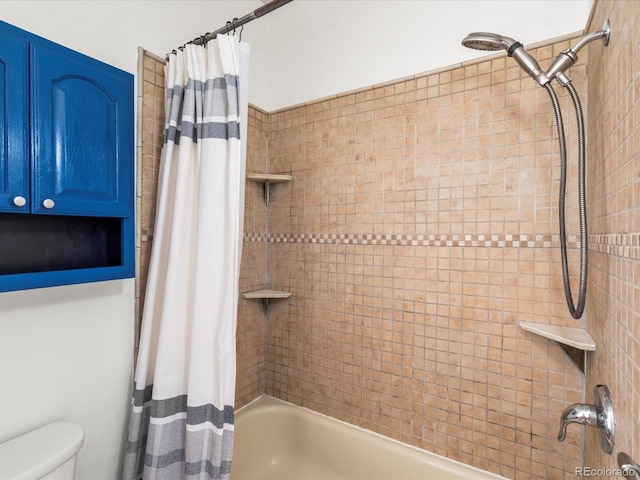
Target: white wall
column 66, row 354
column 320, row 48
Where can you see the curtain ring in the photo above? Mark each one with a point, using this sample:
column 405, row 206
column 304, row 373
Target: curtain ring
column 235, row 21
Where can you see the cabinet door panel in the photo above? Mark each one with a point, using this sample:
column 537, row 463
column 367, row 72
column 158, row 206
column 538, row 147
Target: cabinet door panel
column 84, row 163
column 82, row 134
column 14, row 138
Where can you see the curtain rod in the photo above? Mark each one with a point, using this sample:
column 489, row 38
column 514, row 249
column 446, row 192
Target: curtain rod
column 238, row 22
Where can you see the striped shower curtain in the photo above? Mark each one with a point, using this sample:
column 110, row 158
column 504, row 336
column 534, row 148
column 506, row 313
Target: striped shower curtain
column 181, row 421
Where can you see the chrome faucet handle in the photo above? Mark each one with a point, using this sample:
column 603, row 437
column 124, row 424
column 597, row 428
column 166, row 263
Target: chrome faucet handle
column 580, row 413
column 599, row 415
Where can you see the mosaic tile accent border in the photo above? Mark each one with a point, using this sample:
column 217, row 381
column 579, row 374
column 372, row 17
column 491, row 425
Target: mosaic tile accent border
column 621, row 245
column 626, row 245
column 421, row 240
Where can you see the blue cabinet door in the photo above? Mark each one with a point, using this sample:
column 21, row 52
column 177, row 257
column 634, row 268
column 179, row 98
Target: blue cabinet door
column 82, row 134
column 14, row 126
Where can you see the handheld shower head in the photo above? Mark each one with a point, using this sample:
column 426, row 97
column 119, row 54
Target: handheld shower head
column 493, row 41
column 487, row 41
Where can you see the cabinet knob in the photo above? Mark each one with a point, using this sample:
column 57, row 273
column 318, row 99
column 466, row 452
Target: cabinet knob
column 48, row 203
column 19, row 201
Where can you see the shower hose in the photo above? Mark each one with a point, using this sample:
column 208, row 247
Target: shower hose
column 576, row 311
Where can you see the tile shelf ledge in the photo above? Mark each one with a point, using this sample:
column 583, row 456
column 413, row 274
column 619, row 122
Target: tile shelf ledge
column 266, row 295
column 575, row 341
column 266, row 179
column 269, row 177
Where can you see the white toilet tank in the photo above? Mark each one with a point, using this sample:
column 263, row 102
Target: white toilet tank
column 47, row 453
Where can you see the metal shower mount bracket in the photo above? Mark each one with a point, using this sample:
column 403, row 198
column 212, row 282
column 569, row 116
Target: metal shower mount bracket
column 606, row 32
column 567, row 58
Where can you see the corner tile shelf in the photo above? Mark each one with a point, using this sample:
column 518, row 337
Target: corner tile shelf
column 267, row 179
column 266, row 295
column 575, row 341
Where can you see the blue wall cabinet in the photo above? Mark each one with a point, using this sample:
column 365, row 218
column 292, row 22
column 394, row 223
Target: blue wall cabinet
column 66, row 165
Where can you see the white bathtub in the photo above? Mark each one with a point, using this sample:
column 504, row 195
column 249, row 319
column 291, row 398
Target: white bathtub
column 275, row 440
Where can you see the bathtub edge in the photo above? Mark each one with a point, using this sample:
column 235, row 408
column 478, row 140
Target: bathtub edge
column 266, row 400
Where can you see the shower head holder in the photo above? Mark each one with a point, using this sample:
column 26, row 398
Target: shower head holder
column 604, row 35
column 569, row 57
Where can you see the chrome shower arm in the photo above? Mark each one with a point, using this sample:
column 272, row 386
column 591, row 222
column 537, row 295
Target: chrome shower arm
column 569, row 57
column 603, row 34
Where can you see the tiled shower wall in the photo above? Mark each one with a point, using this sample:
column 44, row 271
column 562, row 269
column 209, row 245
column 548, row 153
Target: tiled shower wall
column 420, row 227
column 251, row 333
column 150, row 134
column 614, row 173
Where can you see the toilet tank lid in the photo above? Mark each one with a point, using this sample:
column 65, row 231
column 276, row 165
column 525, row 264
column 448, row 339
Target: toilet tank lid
column 36, row 453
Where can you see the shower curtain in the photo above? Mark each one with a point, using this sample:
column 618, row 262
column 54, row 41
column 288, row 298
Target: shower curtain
column 181, row 421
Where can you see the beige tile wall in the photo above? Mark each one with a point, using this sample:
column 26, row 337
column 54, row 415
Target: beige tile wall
column 614, row 173
column 250, row 338
column 419, row 229
column 151, row 126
